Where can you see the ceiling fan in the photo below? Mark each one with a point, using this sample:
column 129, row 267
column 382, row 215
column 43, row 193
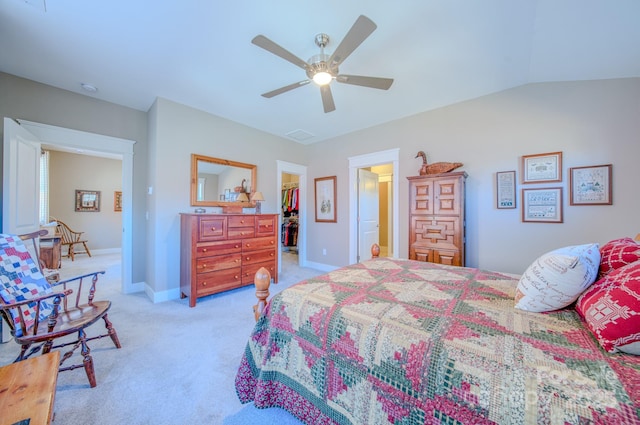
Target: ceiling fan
column 322, row 68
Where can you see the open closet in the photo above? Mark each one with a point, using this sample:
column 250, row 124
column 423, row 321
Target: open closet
column 290, row 211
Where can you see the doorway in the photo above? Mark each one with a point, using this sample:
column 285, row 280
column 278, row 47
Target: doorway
column 389, row 162
column 74, row 139
column 288, row 172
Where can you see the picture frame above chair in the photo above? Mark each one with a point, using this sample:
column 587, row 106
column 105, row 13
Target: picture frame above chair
column 87, row 200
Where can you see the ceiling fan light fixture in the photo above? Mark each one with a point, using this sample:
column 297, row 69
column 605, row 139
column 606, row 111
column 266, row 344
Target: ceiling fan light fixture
column 322, row 78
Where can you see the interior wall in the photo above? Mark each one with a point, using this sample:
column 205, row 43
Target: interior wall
column 591, row 122
column 176, row 131
column 69, row 172
column 31, row 101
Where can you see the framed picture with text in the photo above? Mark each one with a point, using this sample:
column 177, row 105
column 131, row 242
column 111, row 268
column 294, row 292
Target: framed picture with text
column 590, row 185
column 542, row 168
column 542, row 205
column 506, row 189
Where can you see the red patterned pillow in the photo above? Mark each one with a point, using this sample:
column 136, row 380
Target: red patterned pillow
column 611, row 308
column 617, row 253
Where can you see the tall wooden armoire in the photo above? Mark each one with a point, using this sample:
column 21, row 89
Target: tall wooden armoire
column 436, row 218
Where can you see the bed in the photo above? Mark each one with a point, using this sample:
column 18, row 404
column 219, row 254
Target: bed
column 391, row 341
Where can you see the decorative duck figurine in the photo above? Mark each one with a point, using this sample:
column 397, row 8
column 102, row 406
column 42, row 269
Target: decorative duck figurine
column 436, row 167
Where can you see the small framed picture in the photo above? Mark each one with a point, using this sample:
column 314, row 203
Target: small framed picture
column 117, row 201
column 87, row 200
column 590, row 185
column 542, row 168
column 542, row 205
column 325, row 188
column 505, row 189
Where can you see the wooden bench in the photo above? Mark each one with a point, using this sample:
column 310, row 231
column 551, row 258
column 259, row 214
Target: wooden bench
column 27, row 390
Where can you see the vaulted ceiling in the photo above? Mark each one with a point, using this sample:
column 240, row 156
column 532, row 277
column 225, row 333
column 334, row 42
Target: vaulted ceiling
column 199, row 53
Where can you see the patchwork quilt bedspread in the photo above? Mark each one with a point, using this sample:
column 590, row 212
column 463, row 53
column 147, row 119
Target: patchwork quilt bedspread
column 392, row 341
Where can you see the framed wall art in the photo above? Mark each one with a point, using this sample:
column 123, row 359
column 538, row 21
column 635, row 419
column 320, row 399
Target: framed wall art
column 506, row 189
column 542, row 168
column 87, row 200
column 590, row 185
column 325, row 193
column 542, row 205
column 117, row 201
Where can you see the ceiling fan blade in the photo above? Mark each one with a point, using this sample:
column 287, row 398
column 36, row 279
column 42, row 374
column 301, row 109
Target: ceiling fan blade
column 359, row 80
column 286, row 88
column 327, row 99
column 361, row 29
column 270, row 46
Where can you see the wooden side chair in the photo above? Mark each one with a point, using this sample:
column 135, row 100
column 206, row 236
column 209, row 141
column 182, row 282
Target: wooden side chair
column 71, row 238
column 39, row 312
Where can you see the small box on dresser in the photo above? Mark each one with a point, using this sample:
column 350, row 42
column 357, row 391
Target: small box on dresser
column 219, row 252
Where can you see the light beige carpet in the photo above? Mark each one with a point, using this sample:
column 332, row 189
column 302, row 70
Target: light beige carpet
column 177, row 364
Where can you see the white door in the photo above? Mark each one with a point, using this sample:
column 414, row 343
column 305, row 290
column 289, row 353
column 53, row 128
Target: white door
column 368, row 213
column 21, row 180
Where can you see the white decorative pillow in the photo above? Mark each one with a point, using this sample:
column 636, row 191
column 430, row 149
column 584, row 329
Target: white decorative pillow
column 557, row 278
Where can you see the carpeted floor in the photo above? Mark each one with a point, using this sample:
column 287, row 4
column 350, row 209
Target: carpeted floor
column 177, row 364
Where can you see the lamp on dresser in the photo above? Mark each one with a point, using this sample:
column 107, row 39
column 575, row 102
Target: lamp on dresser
column 257, row 197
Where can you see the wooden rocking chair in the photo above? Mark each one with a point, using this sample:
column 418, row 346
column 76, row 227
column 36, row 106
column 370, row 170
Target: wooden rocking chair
column 71, row 238
column 38, row 315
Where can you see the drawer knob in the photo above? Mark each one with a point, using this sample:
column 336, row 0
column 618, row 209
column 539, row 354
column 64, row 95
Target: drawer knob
column 271, row 242
column 248, row 258
column 237, row 261
column 272, row 254
column 204, row 283
column 242, row 221
column 248, row 244
column 213, row 228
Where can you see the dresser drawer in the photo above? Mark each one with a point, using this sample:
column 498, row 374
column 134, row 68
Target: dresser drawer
column 241, row 232
column 207, row 249
column 212, row 282
column 266, row 226
column 249, row 271
column 242, row 221
column 259, row 243
column 218, row 262
column 258, row 256
column 212, row 228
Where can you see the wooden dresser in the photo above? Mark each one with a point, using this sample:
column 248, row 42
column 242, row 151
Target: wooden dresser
column 436, row 218
column 219, row 252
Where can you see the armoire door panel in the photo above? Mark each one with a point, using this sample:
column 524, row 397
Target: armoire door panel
column 436, row 218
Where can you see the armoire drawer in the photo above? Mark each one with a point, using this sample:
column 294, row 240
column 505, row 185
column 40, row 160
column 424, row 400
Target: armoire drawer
column 242, row 221
column 258, row 256
column 218, row 262
column 259, row 243
column 222, row 280
column 266, row 225
column 241, row 232
column 207, row 249
column 212, row 228
column 249, row 271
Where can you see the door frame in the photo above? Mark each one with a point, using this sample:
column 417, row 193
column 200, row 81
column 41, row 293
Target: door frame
column 368, row 160
column 301, row 171
column 92, row 142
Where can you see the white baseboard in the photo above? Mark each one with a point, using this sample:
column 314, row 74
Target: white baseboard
column 106, row 251
column 161, row 296
column 320, row 266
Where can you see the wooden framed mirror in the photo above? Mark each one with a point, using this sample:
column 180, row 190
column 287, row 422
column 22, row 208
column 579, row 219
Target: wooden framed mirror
column 217, row 182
